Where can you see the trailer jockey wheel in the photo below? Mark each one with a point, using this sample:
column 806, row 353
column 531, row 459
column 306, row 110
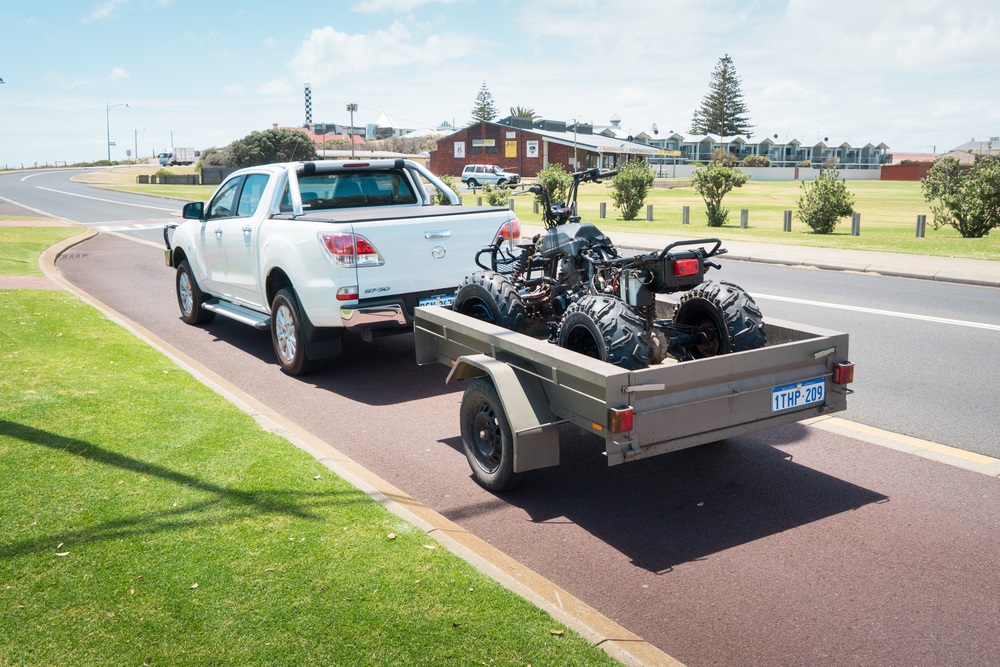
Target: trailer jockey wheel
column 486, row 437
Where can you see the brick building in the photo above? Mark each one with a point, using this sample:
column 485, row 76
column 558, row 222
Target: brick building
column 527, row 150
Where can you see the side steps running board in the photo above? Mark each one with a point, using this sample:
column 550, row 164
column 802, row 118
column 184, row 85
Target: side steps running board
column 239, row 313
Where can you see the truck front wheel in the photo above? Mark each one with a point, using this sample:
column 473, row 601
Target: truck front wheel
column 288, row 334
column 726, row 317
column 190, row 297
column 605, row 328
column 486, row 437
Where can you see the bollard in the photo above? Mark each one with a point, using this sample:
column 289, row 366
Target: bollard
column 856, row 224
column 649, row 212
column 788, row 221
column 460, row 200
column 510, row 203
column 479, row 201
column 744, row 218
column 921, row 226
column 686, row 215
column 534, row 209
column 604, row 210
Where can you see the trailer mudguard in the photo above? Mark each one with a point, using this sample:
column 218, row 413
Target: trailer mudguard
column 534, row 427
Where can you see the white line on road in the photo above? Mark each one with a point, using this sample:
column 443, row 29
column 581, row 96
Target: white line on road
column 876, row 311
column 110, row 201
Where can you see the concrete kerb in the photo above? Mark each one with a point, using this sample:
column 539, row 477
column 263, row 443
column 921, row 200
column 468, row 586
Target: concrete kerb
column 612, row 638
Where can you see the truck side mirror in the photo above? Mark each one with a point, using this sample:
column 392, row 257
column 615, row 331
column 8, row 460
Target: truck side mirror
column 194, row 211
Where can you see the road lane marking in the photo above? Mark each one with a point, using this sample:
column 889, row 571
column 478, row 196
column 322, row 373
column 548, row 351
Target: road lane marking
column 878, row 311
column 109, row 201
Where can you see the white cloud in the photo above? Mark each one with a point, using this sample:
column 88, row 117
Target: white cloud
column 395, row 6
column 104, row 10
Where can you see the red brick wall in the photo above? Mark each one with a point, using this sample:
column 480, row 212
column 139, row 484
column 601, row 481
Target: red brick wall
column 906, row 172
column 443, row 160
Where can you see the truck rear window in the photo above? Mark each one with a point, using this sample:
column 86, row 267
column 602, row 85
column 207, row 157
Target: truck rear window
column 352, row 190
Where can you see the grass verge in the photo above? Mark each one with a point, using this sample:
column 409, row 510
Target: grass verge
column 21, row 246
column 148, row 522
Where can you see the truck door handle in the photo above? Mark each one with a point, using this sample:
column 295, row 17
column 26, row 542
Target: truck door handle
column 438, row 235
column 247, row 229
column 218, row 231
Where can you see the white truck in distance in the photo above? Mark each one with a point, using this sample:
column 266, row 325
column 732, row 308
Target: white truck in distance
column 178, row 156
column 309, row 250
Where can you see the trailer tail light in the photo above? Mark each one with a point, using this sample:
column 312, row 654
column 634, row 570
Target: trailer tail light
column 349, row 293
column 686, row 267
column 509, row 232
column 351, row 250
column 843, row 373
column 620, row 420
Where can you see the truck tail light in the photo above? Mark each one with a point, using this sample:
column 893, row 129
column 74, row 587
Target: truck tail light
column 620, row 420
column 686, row 267
column 509, row 232
column 349, row 293
column 843, row 373
column 351, row 250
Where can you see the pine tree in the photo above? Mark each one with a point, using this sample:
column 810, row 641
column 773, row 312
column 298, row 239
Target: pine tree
column 484, row 108
column 723, row 110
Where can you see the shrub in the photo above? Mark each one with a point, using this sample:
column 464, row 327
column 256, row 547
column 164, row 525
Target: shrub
column 966, row 199
column 824, row 202
column 724, row 157
column 756, row 161
column 496, row 196
column 556, row 180
column 163, row 172
column 441, row 198
column 629, row 188
column 713, row 183
column 804, row 163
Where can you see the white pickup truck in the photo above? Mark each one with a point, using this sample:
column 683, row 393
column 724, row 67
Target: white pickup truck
column 309, row 250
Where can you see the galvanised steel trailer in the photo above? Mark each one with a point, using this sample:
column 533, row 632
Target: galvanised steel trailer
column 522, row 388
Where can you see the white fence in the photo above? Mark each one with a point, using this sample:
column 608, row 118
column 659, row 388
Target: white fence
column 771, row 173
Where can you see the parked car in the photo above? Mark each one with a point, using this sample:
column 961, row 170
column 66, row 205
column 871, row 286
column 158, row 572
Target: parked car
column 475, row 175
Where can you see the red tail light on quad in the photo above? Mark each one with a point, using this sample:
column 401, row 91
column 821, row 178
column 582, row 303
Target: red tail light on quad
column 686, row 267
column 351, row 250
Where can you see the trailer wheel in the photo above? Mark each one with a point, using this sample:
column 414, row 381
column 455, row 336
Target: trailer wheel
column 288, row 335
column 727, row 317
column 605, row 328
column 190, row 297
column 486, row 437
column 488, row 296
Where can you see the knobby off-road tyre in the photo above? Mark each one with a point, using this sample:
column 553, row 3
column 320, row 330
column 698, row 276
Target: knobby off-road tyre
column 488, row 296
column 487, row 438
column 288, row 335
column 190, row 297
column 605, row 328
column 727, row 315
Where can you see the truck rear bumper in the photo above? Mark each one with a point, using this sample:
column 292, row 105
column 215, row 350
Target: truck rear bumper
column 374, row 317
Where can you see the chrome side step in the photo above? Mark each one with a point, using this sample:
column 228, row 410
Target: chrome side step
column 255, row 319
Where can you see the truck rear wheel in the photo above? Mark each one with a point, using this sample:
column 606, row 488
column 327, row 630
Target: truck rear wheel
column 288, row 335
column 605, row 328
column 190, row 297
column 488, row 296
column 486, row 437
column 726, row 316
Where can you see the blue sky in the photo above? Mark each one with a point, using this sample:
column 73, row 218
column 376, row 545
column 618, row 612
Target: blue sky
column 914, row 74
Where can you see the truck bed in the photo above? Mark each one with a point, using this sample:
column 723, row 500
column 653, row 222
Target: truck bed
column 674, row 405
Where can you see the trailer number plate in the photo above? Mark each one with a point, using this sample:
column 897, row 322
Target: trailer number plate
column 438, row 300
column 798, row 394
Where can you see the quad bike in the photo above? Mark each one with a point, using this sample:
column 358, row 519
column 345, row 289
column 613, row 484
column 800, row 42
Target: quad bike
column 599, row 303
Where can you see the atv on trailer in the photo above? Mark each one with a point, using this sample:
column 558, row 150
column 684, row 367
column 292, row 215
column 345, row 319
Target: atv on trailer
column 599, row 303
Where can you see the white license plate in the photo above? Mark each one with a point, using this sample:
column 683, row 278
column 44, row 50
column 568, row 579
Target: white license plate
column 437, row 300
column 798, row 394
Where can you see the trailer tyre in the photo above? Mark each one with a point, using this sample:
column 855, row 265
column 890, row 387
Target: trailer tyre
column 605, row 328
column 726, row 315
column 488, row 296
column 288, row 335
column 486, row 437
column 190, row 297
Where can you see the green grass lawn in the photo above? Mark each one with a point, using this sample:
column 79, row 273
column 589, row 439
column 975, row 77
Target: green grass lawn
column 888, row 209
column 146, row 521
column 21, row 246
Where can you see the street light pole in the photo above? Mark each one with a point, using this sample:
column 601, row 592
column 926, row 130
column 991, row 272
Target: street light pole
column 352, row 108
column 107, row 121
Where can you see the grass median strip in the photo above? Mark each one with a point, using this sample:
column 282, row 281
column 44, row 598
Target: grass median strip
column 147, row 521
column 21, row 246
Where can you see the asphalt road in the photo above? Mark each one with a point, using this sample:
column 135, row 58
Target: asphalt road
column 792, row 547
